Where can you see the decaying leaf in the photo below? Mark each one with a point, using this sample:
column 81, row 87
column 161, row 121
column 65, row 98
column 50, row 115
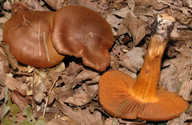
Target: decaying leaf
column 68, row 92
column 40, row 93
column 63, row 121
column 147, row 3
column 133, row 60
column 111, row 121
column 180, row 120
column 22, row 102
column 55, row 4
column 79, row 98
column 87, row 74
column 84, row 117
column 87, row 3
column 136, row 26
column 12, row 83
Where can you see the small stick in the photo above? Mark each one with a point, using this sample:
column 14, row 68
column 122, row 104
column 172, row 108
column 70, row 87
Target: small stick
column 38, row 37
column 45, row 46
column 47, row 99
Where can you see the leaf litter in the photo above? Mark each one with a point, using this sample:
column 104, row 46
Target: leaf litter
column 67, row 93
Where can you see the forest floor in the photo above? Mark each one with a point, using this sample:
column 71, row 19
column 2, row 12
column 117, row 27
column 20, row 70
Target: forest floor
column 68, row 92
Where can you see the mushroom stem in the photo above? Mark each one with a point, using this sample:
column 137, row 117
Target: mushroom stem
column 145, row 88
column 125, row 97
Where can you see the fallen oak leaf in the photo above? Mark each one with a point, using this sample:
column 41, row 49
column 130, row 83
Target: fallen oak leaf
column 82, row 116
column 136, row 26
column 11, row 82
column 22, row 102
column 79, row 98
column 61, row 121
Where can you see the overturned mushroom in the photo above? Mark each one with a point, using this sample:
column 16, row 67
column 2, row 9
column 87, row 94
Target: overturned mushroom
column 81, row 32
column 28, row 35
column 125, row 97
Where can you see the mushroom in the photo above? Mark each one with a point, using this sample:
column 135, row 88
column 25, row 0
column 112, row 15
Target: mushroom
column 28, row 34
column 125, row 97
column 82, row 32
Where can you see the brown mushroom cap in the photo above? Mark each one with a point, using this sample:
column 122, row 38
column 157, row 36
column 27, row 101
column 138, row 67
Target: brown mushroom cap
column 117, row 98
column 82, row 32
column 29, row 37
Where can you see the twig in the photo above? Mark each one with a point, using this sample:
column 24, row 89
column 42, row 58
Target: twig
column 45, row 46
column 38, row 37
column 47, row 99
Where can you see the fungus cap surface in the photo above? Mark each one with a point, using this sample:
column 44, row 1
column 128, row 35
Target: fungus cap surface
column 28, row 36
column 82, row 32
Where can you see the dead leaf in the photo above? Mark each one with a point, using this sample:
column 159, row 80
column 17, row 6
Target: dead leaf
column 168, row 78
column 1, row 111
column 180, row 120
column 60, row 121
column 122, row 12
column 39, row 97
column 87, row 3
column 113, row 20
column 153, row 3
column 136, row 26
column 22, row 102
column 186, row 88
column 133, row 60
column 82, row 116
column 92, row 90
column 87, row 74
column 79, row 98
column 12, row 83
column 55, row 4
column 64, row 93
column 111, row 121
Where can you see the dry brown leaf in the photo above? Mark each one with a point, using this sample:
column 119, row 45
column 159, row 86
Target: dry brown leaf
column 87, row 74
column 73, row 69
column 94, row 80
column 91, row 89
column 22, row 102
column 39, row 95
column 79, row 98
column 176, row 77
column 113, row 20
column 2, row 73
column 55, row 4
column 121, row 29
column 87, row 3
column 12, row 83
column 64, row 93
column 186, row 89
column 133, row 60
column 1, row 111
column 185, row 50
column 168, row 78
column 61, row 121
column 52, row 112
column 111, row 121
column 136, row 26
column 180, row 120
column 153, row 3
column 11, row 59
column 126, row 122
column 84, row 117
column 51, row 97
column 122, row 12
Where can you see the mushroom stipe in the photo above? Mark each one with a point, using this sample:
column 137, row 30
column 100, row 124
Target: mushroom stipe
column 144, row 99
